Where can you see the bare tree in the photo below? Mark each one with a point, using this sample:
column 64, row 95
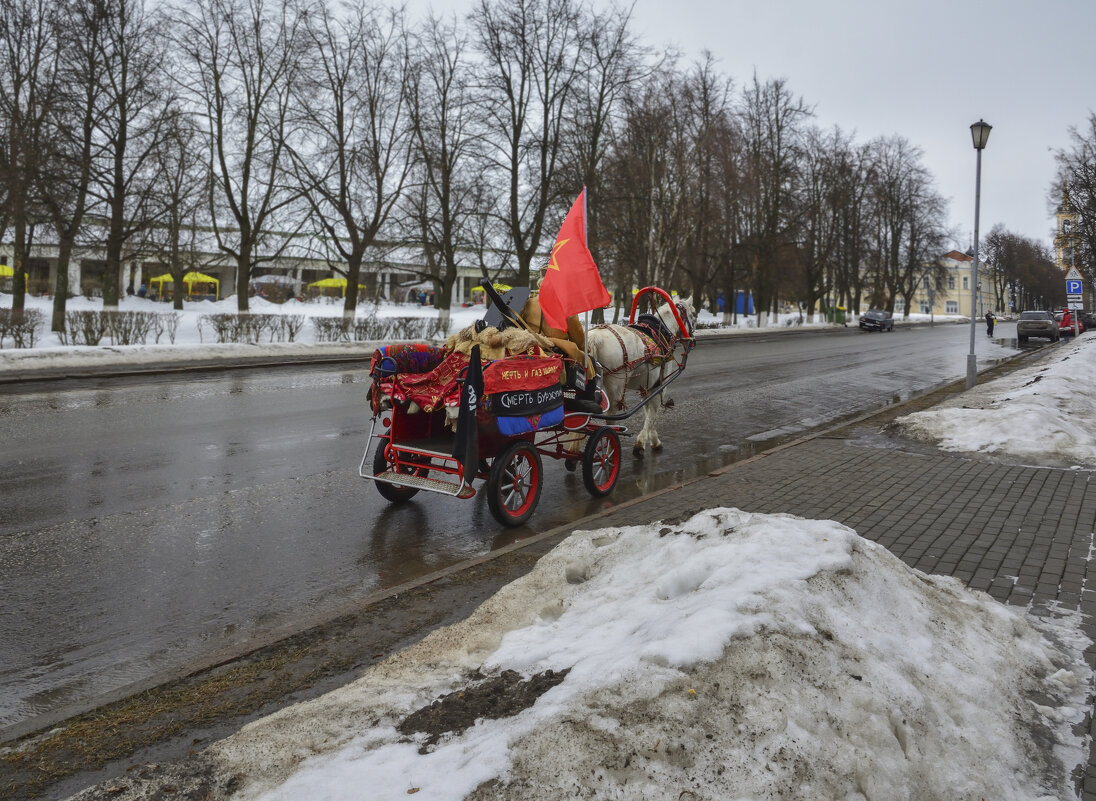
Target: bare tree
column 651, row 170
column 1077, row 171
column 530, row 63
column 772, row 123
column 611, row 65
column 729, row 220
column 908, row 229
column 708, row 113
column 352, row 152
column 73, row 121
column 29, row 90
column 854, row 174
column 819, row 212
column 1022, row 274
column 242, row 58
column 449, row 193
column 129, row 130
column 181, row 199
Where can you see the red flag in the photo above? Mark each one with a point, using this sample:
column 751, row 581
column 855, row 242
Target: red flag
column 571, row 282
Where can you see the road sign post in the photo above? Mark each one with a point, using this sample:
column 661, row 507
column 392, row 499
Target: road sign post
column 1075, row 295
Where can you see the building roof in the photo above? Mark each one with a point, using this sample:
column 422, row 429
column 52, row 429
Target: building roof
column 956, row 255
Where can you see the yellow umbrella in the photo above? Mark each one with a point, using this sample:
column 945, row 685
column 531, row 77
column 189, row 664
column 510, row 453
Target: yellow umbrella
column 8, row 272
column 189, row 279
column 500, row 288
column 334, row 283
column 193, row 277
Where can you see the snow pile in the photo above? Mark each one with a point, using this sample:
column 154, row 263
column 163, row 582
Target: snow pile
column 1045, row 414
column 733, row 655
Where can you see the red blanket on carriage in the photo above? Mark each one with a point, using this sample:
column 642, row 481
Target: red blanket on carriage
column 428, row 375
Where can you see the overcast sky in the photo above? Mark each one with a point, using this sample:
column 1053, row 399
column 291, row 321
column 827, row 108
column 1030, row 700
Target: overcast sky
column 924, row 69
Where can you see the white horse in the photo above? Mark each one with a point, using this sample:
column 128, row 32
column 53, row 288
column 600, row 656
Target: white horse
column 627, row 361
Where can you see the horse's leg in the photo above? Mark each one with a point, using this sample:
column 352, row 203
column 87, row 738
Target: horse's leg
column 652, row 433
column 646, row 379
column 643, row 437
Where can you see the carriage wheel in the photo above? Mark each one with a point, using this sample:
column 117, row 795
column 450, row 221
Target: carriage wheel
column 393, row 492
column 601, row 462
column 513, row 488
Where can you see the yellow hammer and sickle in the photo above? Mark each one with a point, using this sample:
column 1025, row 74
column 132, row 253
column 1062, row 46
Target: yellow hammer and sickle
column 555, row 249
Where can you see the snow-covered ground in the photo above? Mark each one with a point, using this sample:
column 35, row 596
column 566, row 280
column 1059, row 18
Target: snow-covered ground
column 1044, row 414
column 730, row 656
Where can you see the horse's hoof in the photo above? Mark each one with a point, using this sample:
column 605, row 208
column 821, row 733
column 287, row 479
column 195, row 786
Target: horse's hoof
column 657, row 447
column 637, row 452
column 669, row 404
column 570, row 465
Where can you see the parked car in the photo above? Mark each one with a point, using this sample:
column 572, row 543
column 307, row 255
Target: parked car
column 1087, row 318
column 876, row 320
column 1037, row 324
column 1065, row 323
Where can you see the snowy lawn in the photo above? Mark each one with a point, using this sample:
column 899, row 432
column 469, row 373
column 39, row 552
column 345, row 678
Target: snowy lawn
column 189, row 332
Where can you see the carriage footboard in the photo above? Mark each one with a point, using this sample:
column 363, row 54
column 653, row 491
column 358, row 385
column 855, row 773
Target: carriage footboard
column 417, row 464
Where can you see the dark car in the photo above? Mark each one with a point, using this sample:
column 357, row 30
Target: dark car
column 876, row 320
column 1037, row 324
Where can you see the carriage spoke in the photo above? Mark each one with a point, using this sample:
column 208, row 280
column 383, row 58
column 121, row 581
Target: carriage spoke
column 516, row 489
column 605, row 460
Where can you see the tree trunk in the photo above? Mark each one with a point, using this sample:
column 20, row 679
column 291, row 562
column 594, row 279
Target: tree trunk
column 353, row 278
column 243, row 279
column 61, row 287
column 113, row 269
column 19, row 267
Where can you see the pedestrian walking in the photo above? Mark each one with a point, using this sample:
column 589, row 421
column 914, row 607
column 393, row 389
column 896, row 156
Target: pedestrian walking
column 990, row 320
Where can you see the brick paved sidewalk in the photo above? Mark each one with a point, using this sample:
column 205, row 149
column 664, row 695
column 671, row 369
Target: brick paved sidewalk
column 1022, row 534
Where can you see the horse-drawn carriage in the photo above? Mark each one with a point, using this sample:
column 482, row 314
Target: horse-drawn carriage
column 443, row 419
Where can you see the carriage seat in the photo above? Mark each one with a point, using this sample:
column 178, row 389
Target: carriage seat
column 391, row 360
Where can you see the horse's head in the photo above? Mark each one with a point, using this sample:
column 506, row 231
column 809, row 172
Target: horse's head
column 687, row 313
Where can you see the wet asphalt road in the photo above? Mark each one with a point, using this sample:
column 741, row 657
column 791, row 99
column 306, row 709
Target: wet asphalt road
column 147, row 525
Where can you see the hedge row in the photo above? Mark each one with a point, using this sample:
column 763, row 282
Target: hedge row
column 21, row 328
column 135, row 328
column 366, row 329
column 252, row 328
column 122, row 327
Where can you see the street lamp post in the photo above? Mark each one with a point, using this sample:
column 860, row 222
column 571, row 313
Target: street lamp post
column 979, row 132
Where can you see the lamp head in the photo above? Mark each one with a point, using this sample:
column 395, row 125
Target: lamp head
column 979, row 132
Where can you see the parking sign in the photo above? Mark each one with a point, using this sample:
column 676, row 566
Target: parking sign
column 1073, row 287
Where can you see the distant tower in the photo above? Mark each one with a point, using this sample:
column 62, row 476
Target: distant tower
column 1066, row 240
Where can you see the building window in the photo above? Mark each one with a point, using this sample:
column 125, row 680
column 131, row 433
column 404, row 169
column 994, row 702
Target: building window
column 925, row 282
column 925, row 308
column 1067, row 224
column 966, row 282
column 951, row 282
column 953, row 307
column 900, row 304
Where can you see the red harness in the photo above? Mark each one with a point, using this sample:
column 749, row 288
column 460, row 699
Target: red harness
column 652, row 348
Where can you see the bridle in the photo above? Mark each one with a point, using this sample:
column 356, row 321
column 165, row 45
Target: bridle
column 684, row 314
